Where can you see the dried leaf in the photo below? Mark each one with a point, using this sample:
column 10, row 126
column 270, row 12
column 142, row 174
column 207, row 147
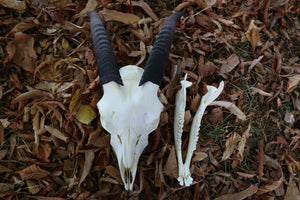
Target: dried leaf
column 293, row 82
column 19, row 6
column 31, row 95
column 90, row 6
column 88, row 162
column 56, row 133
column 252, row 34
column 289, row 117
column 261, row 92
column 292, row 191
column 6, row 187
column 170, row 167
column 231, row 144
column 4, row 169
column 230, row 106
column 216, row 115
column 199, row 156
column 239, row 195
column 44, row 152
column 33, row 186
column 21, row 52
column 242, row 143
column 125, row 18
column 275, row 184
column 75, row 100
column 146, row 8
column 231, row 62
column 33, row 172
column 207, row 69
column 86, row 114
column 114, row 172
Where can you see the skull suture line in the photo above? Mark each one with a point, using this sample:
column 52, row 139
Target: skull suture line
column 130, row 109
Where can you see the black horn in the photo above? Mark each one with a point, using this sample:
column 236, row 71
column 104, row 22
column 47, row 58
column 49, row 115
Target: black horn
column 105, row 57
column 158, row 57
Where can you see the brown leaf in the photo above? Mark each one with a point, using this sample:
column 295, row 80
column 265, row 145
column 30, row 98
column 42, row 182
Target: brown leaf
column 170, row 167
column 21, row 52
column 231, row 62
column 216, row 115
column 114, row 172
column 275, row 184
column 293, row 82
column 88, row 162
column 56, row 133
column 146, row 8
column 230, row 106
column 292, row 191
column 239, row 195
column 90, row 6
column 19, row 6
column 6, row 187
column 252, row 34
column 31, row 95
column 125, row 18
column 33, row 186
column 1, row 133
column 199, row 156
column 242, row 143
column 33, row 172
column 4, row 169
column 44, row 152
column 207, row 69
column 230, row 145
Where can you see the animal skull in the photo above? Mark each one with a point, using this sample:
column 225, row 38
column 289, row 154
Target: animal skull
column 130, row 109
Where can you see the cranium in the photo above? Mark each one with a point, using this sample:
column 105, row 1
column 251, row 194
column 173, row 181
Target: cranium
column 130, row 108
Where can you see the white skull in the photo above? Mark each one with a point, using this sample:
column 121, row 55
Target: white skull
column 130, row 109
column 129, row 113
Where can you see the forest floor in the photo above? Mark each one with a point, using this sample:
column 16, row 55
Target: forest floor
column 52, row 144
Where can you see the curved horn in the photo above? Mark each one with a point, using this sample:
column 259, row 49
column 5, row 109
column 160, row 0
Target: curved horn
column 158, row 57
column 106, row 61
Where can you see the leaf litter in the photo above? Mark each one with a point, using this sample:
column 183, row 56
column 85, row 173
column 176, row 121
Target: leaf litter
column 52, row 145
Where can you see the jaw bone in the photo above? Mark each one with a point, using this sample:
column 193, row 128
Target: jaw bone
column 130, row 109
column 184, row 175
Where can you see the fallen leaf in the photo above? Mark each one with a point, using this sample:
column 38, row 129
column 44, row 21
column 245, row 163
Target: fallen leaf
column 230, row 63
column 199, row 156
column 230, row 106
column 275, row 184
column 261, row 92
column 75, row 101
column 90, row 6
column 289, row 117
column 33, row 172
column 125, row 18
column 239, row 195
column 56, row 133
column 254, row 62
column 207, row 69
column 170, row 167
column 252, row 34
column 216, row 115
column 293, row 82
column 21, row 52
column 230, row 145
column 292, row 191
column 6, row 187
column 33, row 186
column 31, row 95
column 114, row 172
column 88, row 162
column 44, row 151
column 19, row 6
column 1, row 133
column 241, row 145
column 4, row 169
column 86, row 114
column 146, row 8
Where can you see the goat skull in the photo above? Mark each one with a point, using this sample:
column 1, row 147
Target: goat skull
column 130, row 109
